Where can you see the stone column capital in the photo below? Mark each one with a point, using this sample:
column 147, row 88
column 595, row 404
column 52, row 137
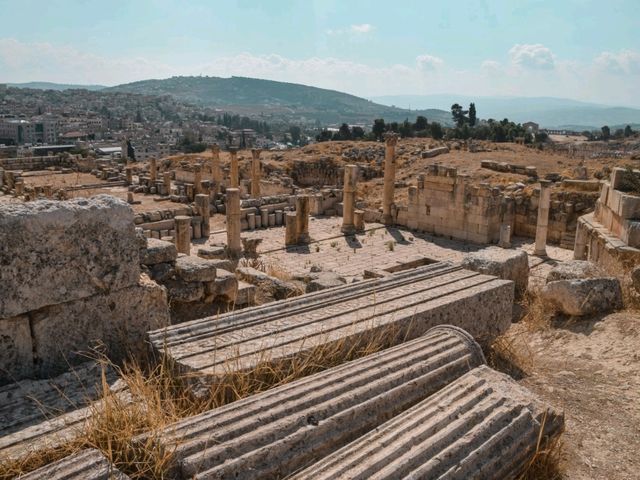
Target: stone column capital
column 391, row 139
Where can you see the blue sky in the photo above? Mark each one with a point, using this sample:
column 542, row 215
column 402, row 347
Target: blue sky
column 578, row 49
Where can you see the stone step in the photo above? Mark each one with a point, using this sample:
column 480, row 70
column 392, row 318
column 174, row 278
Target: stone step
column 39, row 414
column 483, row 425
column 85, row 465
column 401, row 307
column 277, row 432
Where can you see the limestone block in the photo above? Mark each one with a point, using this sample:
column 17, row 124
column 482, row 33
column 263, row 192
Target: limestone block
column 180, row 291
column 635, row 278
column 55, row 252
column 580, row 297
column 158, row 251
column 324, row 280
column 246, row 294
column 407, row 303
column 88, row 464
column 574, row 269
column 225, row 285
column 212, row 252
column 277, row 288
column 16, row 349
column 275, row 433
column 506, row 264
column 196, row 269
column 119, row 319
column 483, row 425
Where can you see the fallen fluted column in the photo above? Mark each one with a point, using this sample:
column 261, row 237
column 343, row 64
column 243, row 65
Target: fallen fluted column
column 275, row 433
column 482, row 426
column 86, row 465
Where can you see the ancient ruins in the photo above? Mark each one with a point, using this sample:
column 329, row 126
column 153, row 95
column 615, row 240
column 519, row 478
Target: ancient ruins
column 242, row 313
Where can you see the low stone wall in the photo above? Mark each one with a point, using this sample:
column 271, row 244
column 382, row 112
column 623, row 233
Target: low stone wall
column 36, row 163
column 70, row 277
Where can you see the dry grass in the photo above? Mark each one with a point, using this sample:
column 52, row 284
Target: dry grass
column 538, row 315
column 159, row 396
column 546, row 462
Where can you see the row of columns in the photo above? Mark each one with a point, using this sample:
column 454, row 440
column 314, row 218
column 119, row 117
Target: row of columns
column 234, row 173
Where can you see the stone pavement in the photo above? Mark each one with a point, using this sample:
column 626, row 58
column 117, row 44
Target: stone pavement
column 380, row 247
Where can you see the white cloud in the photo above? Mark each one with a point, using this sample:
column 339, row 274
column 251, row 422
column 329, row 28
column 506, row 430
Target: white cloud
column 362, row 28
column 428, row 63
column 535, row 56
column 625, row 61
column 491, row 67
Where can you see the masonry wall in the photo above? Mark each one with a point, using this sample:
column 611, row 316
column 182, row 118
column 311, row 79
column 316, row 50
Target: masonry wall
column 70, row 281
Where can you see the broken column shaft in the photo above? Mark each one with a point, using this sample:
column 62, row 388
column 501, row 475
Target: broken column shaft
column 234, row 244
column 166, row 178
column 302, row 218
column 153, row 172
column 234, row 179
column 291, row 229
column 182, row 236
column 335, row 407
column 256, row 169
column 543, row 218
column 128, row 170
column 391, row 139
column 202, row 207
column 197, row 179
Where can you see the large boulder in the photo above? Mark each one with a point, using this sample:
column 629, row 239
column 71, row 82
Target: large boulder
column 54, row 252
column 503, row 263
column 574, row 269
column 583, row 296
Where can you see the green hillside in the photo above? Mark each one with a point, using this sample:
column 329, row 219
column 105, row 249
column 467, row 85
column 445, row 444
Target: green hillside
column 280, row 100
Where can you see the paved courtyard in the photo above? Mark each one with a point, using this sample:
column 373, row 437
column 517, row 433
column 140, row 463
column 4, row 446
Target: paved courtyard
column 380, row 247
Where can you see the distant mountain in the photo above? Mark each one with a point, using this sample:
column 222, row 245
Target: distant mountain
column 55, row 86
column 549, row 112
column 286, row 101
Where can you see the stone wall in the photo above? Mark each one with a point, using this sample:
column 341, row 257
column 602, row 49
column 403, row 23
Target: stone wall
column 327, row 171
column 610, row 236
column 35, row 163
column 70, row 278
column 445, row 203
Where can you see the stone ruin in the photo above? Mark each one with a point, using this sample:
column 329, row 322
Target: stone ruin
column 111, row 285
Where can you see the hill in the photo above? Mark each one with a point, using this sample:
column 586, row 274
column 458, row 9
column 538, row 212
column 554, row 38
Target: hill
column 549, row 112
column 55, row 86
column 277, row 100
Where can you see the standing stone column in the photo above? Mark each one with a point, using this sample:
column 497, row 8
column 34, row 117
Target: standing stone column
column 348, row 199
column 543, row 218
column 153, row 172
column 202, row 207
column 197, row 179
column 19, row 187
column 291, row 232
column 182, row 240
column 234, row 178
column 234, row 244
column 391, row 139
column 505, row 236
column 302, row 218
column 128, row 170
column 216, row 172
column 256, row 168
column 166, row 178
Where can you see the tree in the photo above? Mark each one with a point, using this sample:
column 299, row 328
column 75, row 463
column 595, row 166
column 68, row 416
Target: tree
column 393, row 126
column 406, row 129
column 627, row 131
column 357, row 132
column 606, row 133
column 344, row 132
column 295, row 132
column 436, row 131
column 472, row 114
column 323, row 136
column 619, row 133
column 378, row 128
column 458, row 114
column 421, row 123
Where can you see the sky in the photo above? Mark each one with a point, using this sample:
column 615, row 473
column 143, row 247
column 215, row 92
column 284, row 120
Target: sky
column 585, row 50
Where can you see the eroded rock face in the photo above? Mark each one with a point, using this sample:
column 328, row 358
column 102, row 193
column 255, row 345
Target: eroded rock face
column 585, row 296
column 56, row 252
column 574, row 269
column 505, row 264
column 195, row 269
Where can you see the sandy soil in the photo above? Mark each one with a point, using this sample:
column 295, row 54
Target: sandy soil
column 591, row 370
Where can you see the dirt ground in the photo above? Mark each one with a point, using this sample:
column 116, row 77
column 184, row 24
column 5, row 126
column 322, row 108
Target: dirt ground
column 591, row 370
